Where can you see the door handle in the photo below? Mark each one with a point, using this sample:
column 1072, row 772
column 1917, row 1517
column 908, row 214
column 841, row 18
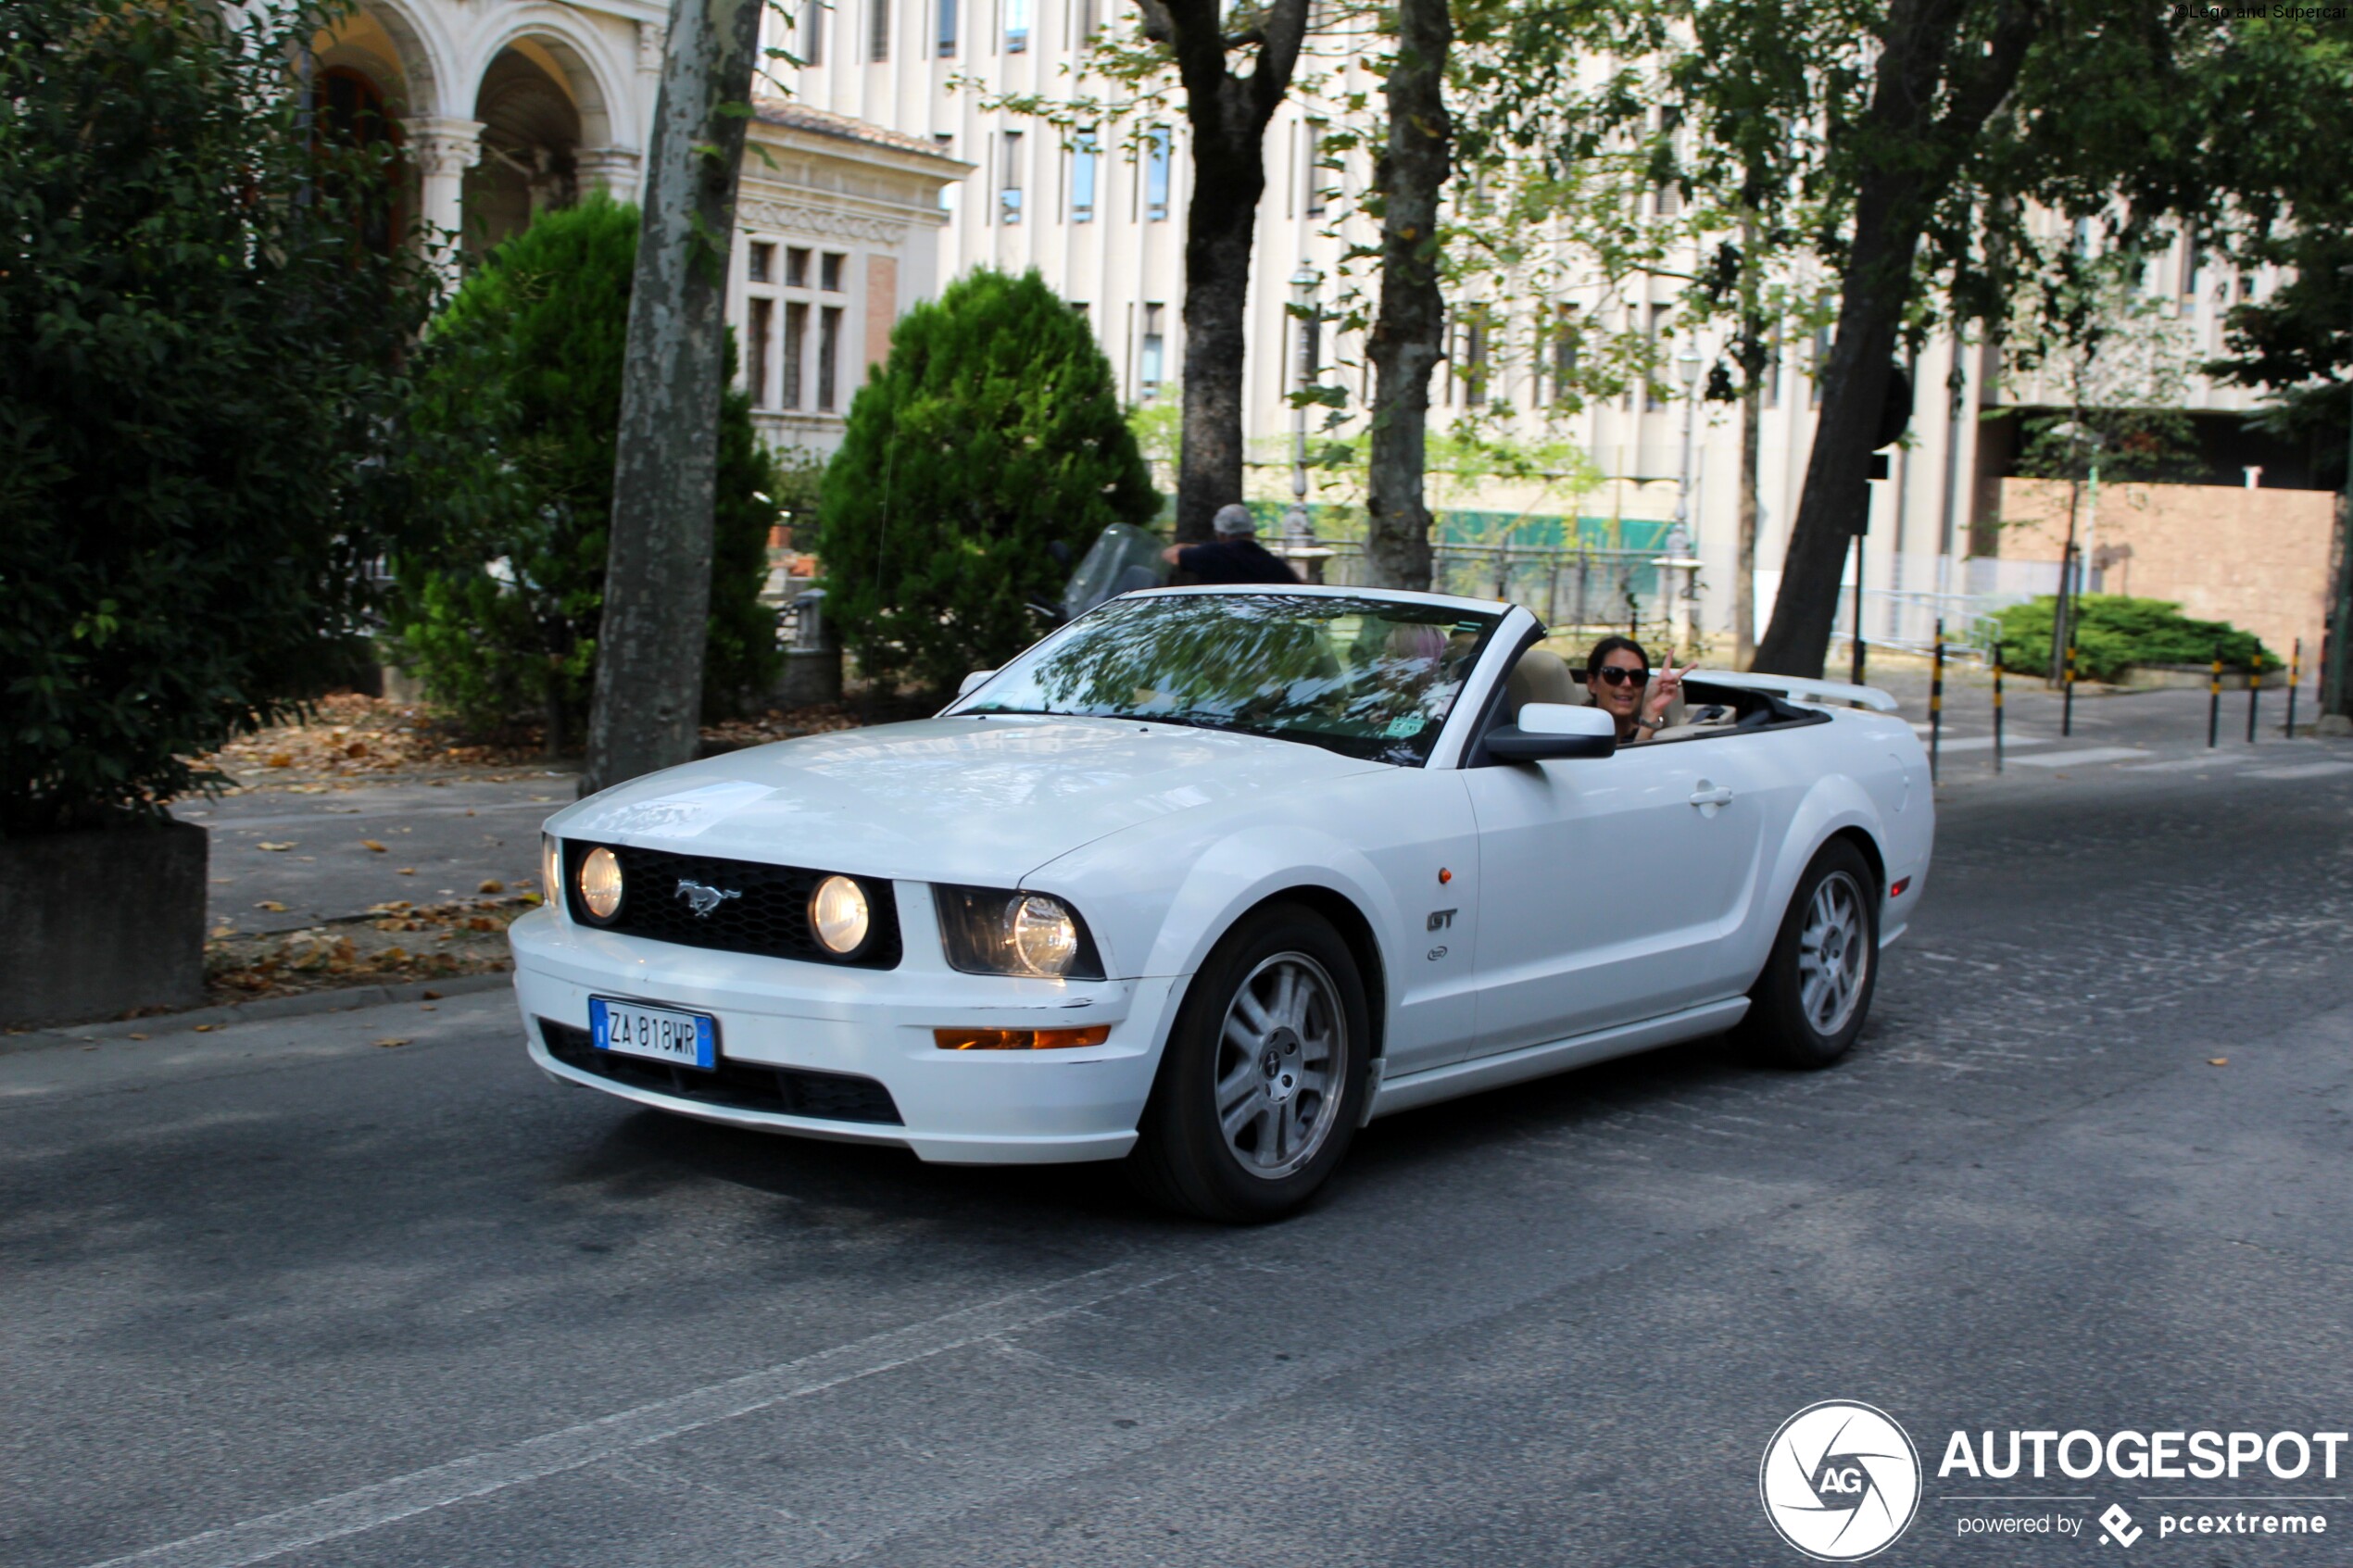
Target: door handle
column 1711, row 795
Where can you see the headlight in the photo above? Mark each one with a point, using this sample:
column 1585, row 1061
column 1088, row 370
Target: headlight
column 600, row 882
column 551, row 870
column 1044, row 936
column 838, row 913
column 998, row 931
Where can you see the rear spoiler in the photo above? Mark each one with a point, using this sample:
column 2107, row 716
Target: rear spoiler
column 1797, row 688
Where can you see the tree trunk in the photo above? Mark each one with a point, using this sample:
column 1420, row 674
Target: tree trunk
column 1219, row 231
column 1745, row 550
column 1756, row 359
column 1408, row 335
column 1911, row 152
column 1227, row 116
column 647, row 704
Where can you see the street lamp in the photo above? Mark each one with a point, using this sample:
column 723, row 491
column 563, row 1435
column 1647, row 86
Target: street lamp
column 1681, row 565
column 1299, row 533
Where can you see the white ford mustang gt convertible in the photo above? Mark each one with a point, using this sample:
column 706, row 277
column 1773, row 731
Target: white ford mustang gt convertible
column 1209, row 878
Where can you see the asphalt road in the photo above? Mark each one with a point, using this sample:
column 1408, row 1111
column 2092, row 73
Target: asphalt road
column 283, row 1294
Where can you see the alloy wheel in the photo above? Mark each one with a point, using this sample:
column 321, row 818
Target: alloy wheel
column 1282, row 1063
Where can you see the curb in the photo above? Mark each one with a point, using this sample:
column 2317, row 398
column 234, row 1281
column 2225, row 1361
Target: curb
column 346, row 999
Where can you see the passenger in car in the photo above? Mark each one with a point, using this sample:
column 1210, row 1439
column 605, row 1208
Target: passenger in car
column 1618, row 682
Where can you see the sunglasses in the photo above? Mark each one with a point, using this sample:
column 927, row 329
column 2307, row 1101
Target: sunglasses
column 1614, row 676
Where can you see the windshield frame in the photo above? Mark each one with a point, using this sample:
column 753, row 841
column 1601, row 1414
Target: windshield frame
column 1415, row 752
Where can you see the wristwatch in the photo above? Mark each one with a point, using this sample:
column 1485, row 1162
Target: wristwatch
column 1655, row 723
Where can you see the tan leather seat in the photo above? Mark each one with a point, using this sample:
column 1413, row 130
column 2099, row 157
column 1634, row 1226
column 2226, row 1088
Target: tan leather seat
column 1539, row 676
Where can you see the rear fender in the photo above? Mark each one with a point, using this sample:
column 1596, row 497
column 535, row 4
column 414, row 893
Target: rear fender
column 1833, row 805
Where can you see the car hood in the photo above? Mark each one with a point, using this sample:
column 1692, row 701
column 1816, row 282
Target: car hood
column 963, row 799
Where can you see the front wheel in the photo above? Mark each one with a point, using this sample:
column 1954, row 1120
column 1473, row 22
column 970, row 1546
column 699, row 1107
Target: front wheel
column 1264, row 1080
column 1809, row 1006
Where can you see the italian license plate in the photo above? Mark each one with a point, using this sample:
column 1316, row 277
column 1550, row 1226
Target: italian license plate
column 690, row 1039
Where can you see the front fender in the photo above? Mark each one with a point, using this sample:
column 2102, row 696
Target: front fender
column 1245, row 869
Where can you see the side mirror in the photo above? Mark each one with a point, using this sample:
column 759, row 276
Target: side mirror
column 973, row 682
column 1547, row 730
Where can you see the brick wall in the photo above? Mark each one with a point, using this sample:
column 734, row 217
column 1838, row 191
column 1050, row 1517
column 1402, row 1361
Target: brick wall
column 2257, row 558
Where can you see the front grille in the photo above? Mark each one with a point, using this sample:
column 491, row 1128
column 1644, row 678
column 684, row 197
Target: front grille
column 739, row 1085
column 769, row 916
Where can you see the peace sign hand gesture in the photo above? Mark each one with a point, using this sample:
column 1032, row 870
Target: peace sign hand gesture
column 1666, row 684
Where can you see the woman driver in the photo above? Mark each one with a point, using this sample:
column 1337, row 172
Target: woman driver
column 1617, row 679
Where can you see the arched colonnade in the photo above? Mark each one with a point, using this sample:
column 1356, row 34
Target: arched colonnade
column 501, row 110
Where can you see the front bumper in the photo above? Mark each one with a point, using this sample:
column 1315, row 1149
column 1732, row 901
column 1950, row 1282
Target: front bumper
column 954, row 1107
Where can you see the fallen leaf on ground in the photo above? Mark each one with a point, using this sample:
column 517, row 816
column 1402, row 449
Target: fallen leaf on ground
column 2218, row 1061
column 135, row 1037
column 389, row 1041
column 279, row 760
column 273, row 904
column 204, row 1028
column 433, row 996
column 408, row 870
column 493, row 885
column 372, row 844
column 265, row 843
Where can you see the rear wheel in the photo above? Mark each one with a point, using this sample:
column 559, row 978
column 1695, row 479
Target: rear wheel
column 1809, row 1006
column 1264, row 1080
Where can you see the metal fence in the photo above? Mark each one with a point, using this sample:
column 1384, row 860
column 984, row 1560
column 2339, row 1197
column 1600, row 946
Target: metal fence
column 1567, row 587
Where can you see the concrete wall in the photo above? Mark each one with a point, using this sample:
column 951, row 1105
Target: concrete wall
column 96, row 925
column 2257, row 558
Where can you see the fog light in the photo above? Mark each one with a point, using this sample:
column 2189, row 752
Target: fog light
column 600, row 882
column 1019, row 1040
column 838, row 914
column 1045, row 938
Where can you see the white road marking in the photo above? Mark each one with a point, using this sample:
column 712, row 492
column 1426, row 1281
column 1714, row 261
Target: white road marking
column 1985, row 743
column 552, row 1453
column 2088, row 755
column 2303, row 770
column 2185, row 764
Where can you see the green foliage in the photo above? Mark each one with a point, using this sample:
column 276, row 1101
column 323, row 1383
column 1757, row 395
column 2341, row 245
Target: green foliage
column 197, row 349
column 515, row 417
column 2114, row 633
column 993, row 429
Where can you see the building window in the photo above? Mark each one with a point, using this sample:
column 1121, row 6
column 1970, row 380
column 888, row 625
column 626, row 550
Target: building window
column 796, row 351
column 813, row 35
column 1009, row 188
column 1016, row 26
column 1156, row 174
column 762, row 263
column 763, row 323
column 829, row 271
column 1082, row 177
column 1654, row 398
column 1155, row 350
column 796, row 266
column 1474, row 357
column 828, row 356
column 945, row 48
column 878, row 31
column 1566, row 346
column 1314, row 171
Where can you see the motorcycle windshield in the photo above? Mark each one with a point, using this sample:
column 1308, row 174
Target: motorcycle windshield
column 1124, row 557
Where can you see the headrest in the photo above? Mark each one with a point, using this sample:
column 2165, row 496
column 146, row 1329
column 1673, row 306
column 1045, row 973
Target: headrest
column 1537, row 676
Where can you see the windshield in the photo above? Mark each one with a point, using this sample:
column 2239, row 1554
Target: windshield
column 1367, row 678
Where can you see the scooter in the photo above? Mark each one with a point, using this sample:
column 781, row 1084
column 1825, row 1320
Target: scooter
column 1122, row 558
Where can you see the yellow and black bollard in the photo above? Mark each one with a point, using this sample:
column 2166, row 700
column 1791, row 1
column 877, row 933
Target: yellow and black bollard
column 2066, row 693
column 1997, row 705
column 2295, row 672
column 1936, row 702
column 2214, row 700
column 2254, row 693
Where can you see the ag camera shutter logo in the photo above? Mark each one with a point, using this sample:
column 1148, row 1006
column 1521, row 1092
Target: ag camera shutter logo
column 1840, row 1481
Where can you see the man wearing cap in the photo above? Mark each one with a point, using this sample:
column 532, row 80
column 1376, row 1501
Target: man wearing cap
column 1235, row 557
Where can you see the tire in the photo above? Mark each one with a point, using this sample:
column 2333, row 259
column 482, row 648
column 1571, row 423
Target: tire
column 1802, row 1011
column 1246, row 1120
